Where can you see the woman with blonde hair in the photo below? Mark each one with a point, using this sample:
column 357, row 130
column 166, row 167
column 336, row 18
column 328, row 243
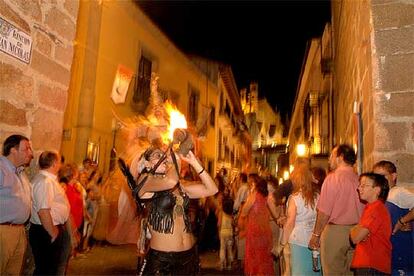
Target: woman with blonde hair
column 301, row 217
column 172, row 247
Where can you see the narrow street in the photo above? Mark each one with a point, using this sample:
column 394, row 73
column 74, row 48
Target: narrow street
column 182, row 121
column 121, row 260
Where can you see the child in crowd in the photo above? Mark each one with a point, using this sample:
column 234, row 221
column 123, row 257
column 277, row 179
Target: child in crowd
column 226, row 231
column 90, row 217
column 372, row 234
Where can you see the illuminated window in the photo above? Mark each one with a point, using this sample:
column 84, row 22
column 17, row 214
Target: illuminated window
column 92, row 151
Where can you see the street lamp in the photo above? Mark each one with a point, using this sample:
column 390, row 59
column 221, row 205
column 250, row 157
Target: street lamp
column 285, row 175
column 301, row 150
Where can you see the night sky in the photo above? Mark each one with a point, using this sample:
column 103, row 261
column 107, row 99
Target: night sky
column 262, row 41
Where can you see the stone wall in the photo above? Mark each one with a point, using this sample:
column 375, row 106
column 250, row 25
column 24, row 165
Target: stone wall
column 374, row 66
column 33, row 96
column 352, row 72
column 393, row 86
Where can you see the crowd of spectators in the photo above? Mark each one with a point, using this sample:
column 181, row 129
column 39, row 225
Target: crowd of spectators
column 58, row 207
column 314, row 223
column 319, row 221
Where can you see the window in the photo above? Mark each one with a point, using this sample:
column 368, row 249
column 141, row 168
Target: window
column 227, row 154
column 221, row 106
column 143, row 81
column 306, row 118
column 212, row 116
column 210, row 166
column 220, row 145
column 194, row 96
column 227, row 109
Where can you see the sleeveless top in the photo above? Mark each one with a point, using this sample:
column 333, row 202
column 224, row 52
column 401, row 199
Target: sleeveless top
column 165, row 206
column 304, row 221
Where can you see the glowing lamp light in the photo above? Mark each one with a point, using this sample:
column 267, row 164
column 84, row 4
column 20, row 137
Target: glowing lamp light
column 301, row 150
column 285, row 175
column 280, row 180
column 291, row 168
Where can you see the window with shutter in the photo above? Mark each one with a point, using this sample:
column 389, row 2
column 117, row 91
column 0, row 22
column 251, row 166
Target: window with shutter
column 143, row 81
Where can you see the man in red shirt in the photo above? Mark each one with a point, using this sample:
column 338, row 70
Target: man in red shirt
column 373, row 232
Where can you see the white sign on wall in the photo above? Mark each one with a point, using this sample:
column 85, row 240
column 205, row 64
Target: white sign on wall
column 15, row 42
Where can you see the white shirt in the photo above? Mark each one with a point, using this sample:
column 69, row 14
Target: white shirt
column 401, row 197
column 48, row 194
column 304, row 221
column 241, row 196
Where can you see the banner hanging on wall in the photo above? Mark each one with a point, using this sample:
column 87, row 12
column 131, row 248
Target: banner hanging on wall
column 121, row 84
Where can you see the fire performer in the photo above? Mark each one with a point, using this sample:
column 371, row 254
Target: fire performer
column 172, row 249
column 172, row 244
column 155, row 179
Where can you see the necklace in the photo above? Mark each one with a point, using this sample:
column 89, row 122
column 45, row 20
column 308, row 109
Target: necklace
column 178, row 208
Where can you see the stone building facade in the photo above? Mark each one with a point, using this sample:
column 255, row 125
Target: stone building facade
column 367, row 58
column 373, row 44
column 33, row 95
column 265, row 128
column 234, row 143
column 311, row 121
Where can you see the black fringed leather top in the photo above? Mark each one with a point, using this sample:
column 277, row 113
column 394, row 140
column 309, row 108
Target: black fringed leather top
column 163, row 208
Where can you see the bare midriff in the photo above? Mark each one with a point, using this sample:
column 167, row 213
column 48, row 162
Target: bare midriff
column 178, row 241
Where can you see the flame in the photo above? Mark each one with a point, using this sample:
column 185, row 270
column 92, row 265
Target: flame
column 177, row 120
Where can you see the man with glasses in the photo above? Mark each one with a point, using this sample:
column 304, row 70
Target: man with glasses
column 339, row 209
column 400, row 204
column 15, row 203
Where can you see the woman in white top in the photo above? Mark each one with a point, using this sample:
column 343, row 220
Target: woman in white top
column 301, row 217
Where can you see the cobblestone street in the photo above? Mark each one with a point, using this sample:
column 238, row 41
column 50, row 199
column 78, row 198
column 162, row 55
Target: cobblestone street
column 121, row 260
